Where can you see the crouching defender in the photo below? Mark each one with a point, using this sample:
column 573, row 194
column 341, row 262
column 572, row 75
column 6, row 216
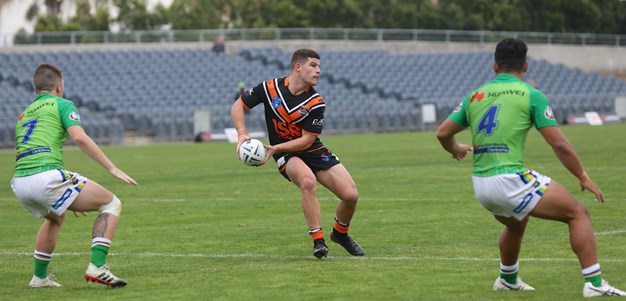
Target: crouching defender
column 47, row 190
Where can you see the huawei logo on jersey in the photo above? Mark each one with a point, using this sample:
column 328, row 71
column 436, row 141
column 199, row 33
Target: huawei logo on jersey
column 549, row 113
column 74, row 116
column 21, row 117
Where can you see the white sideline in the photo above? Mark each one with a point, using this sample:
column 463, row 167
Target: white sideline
column 267, row 256
column 611, row 232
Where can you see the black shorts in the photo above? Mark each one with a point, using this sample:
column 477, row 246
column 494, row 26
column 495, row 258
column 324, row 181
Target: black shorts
column 316, row 159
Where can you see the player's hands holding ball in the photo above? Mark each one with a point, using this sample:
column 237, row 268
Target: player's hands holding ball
column 242, row 137
column 253, row 152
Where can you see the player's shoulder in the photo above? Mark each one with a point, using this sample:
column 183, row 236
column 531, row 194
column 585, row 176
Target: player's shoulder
column 281, row 81
column 314, row 93
column 64, row 101
column 535, row 94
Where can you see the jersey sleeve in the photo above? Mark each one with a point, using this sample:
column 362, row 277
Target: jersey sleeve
column 540, row 110
column 254, row 96
column 459, row 115
column 314, row 122
column 68, row 113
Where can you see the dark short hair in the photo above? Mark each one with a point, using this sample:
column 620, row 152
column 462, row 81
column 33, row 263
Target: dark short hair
column 46, row 77
column 302, row 55
column 510, row 54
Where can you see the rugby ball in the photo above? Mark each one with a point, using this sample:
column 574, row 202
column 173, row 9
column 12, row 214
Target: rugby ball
column 252, row 152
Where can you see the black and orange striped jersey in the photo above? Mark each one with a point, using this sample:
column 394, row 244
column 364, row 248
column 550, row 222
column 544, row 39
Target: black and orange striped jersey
column 287, row 115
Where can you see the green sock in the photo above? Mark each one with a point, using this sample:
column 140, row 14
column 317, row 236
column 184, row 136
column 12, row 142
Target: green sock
column 41, row 268
column 41, row 264
column 510, row 278
column 593, row 274
column 99, row 255
column 595, row 280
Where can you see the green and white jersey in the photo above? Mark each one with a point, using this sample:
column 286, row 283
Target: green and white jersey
column 499, row 114
column 40, row 133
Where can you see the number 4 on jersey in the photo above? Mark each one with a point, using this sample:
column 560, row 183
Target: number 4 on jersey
column 489, row 122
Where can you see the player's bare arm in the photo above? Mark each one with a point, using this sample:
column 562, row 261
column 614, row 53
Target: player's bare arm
column 239, row 121
column 295, row 145
column 445, row 134
column 89, row 147
column 567, row 155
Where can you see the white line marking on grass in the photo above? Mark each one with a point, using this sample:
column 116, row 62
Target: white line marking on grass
column 162, row 200
column 611, row 232
column 295, row 199
column 267, row 256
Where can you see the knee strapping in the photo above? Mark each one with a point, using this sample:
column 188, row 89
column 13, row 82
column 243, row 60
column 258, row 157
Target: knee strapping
column 114, row 207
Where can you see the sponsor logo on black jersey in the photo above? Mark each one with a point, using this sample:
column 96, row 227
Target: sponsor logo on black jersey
column 304, row 111
column 276, row 102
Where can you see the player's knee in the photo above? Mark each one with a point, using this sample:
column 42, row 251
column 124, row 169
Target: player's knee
column 114, row 207
column 55, row 219
column 581, row 211
column 577, row 212
column 352, row 197
column 308, row 184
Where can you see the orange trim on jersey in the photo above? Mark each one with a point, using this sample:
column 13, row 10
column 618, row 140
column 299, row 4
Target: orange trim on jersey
column 313, row 102
column 310, row 133
column 281, row 110
column 312, row 150
column 287, row 85
column 243, row 103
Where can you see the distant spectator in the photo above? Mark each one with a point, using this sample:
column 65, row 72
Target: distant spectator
column 218, row 45
column 241, row 88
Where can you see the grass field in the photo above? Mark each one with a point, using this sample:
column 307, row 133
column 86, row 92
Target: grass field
column 202, row 226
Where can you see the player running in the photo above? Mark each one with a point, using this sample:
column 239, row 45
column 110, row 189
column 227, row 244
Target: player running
column 47, row 190
column 294, row 113
column 500, row 114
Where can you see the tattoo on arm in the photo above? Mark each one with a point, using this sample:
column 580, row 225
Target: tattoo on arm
column 100, row 225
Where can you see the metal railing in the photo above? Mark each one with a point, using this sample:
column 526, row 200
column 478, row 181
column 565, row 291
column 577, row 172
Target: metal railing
column 269, row 34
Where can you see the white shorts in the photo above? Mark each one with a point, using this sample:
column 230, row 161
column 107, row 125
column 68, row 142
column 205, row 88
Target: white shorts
column 509, row 195
column 48, row 191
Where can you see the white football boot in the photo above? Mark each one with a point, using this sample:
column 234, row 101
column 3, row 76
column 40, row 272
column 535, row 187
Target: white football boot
column 605, row 290
column 49, row 281
column 103, row 275
column 502, row 285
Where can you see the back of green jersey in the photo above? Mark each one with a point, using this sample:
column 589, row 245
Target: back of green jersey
column 500, row 113
column 41, row 131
